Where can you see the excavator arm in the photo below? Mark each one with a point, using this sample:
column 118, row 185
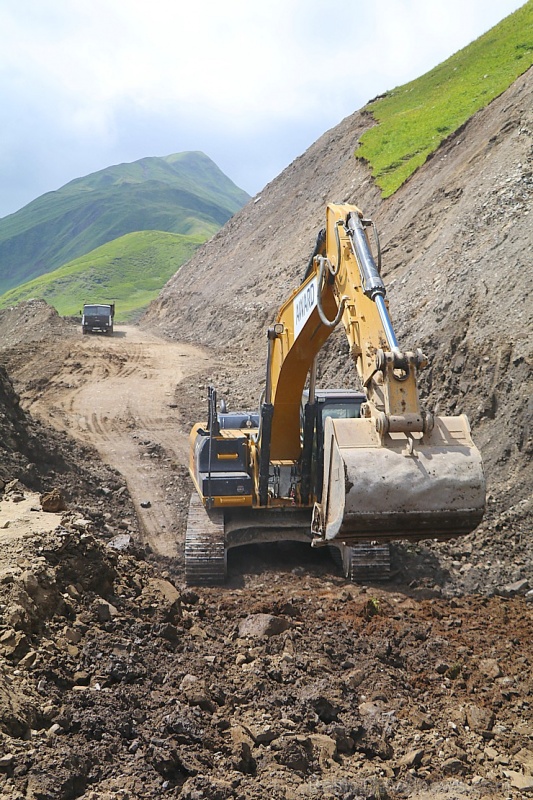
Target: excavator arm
column 343, row 285
column 398, row 472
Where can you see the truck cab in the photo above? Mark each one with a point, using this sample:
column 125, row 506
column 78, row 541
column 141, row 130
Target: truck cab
column 98, row 318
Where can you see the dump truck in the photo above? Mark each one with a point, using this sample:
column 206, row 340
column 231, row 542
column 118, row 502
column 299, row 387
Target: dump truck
column 349, row 471
column 97, row 318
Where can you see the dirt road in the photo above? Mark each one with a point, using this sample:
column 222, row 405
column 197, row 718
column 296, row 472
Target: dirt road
column 118, row 395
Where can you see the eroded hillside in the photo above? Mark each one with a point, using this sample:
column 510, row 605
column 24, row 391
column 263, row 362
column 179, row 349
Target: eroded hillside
column 457, row 241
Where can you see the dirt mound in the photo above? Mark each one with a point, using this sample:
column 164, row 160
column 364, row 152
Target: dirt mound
column 32, row 320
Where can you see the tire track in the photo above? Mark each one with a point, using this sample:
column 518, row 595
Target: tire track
column 117, row 394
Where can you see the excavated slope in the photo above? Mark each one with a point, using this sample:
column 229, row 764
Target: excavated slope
column 457, row 242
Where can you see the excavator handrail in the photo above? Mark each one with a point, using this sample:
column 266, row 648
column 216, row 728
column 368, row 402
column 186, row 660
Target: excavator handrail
column 325, row 263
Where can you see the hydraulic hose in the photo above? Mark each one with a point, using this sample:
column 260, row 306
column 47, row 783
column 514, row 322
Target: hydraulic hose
column 319, row 249
column 325, row 263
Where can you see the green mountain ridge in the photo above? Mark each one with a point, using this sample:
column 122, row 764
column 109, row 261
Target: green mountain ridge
column 184, row 193
column 196, row 172
column 129, row 270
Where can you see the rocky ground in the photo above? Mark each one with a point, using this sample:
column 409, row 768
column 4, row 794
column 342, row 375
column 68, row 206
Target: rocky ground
column 118, row 682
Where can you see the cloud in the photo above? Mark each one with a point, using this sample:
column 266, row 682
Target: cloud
column 90, row 83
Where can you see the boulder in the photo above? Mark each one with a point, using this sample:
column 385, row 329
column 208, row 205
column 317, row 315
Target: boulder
column 53, row 501
column 260, row 626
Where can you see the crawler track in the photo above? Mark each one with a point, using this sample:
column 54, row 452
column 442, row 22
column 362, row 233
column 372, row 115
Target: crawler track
column 365, row 562
column 205, row 551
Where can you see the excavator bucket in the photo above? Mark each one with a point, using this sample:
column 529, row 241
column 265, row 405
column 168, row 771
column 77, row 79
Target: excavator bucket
column 399, row 486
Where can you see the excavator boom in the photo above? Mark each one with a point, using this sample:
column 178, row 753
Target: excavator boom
column 396, row 472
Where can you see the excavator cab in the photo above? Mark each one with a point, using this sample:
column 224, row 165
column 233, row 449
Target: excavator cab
column 335, row 404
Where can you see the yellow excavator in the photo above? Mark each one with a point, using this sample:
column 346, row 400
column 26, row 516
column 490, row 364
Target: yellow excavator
column 347, row 469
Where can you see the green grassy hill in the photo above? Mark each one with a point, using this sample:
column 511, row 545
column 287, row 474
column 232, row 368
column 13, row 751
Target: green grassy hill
column 183, row 193
column 129, row 270
column 415, row 118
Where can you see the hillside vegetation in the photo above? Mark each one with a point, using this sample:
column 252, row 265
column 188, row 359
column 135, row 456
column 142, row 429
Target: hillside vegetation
column 129, row 270
column 415, row 118
column 184, row 193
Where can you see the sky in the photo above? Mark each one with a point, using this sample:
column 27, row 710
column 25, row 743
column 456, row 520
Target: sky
column 85, row 84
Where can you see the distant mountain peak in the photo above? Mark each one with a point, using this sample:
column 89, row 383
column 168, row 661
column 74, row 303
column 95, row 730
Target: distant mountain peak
column 184, row 193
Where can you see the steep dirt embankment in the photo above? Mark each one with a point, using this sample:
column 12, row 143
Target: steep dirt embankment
column 457, row 241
